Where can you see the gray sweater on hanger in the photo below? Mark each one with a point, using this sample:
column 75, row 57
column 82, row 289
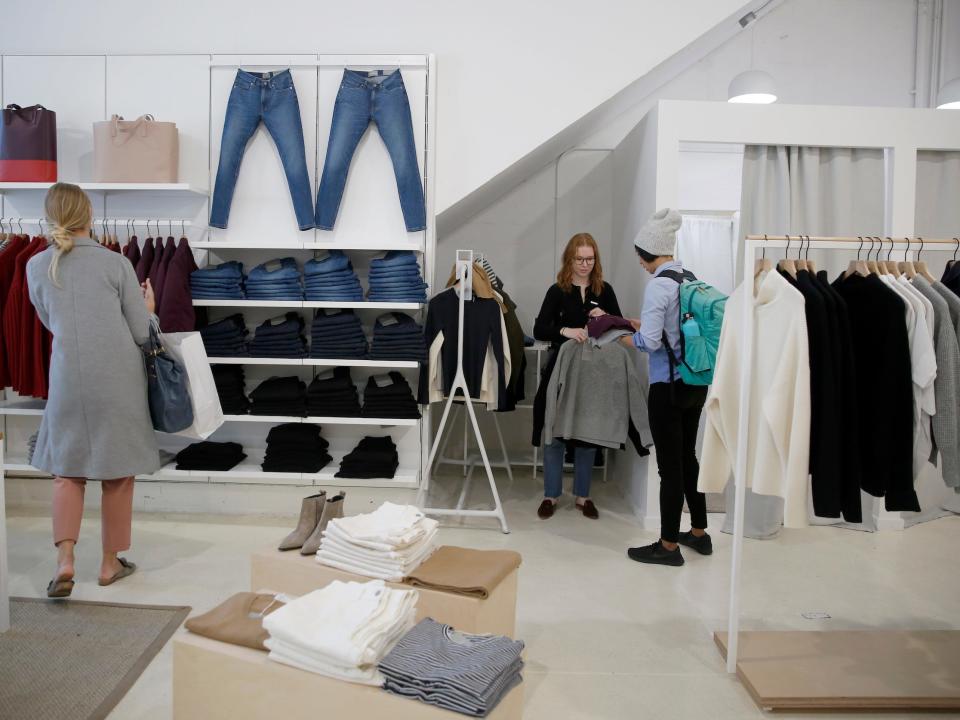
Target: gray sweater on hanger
column 593, row 393
column 946, row 425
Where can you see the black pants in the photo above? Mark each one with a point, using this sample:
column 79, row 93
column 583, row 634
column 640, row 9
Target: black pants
column 674, row 419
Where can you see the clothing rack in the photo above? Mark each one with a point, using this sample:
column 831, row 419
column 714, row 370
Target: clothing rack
column 751, row 245
column 464, row 272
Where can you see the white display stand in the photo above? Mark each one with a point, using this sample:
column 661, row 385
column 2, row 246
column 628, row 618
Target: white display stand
column 464, row 271
column 262, row 225
column 837, row 653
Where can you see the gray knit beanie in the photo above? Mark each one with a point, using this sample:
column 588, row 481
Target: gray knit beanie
column 659, row 235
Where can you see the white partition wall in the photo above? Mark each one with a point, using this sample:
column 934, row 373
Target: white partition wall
column 193, row 90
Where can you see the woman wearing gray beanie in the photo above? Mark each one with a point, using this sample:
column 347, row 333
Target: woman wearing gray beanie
column 674, row 408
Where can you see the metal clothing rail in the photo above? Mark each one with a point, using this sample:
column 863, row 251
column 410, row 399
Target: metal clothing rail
column 751, row 245
column 98, row 222
column 464, row 271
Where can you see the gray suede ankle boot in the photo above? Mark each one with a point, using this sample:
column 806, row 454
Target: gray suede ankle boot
column 310, row 512
column 333, row 508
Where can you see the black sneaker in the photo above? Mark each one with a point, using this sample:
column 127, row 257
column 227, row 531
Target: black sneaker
column 656, row 554
column 702, row 544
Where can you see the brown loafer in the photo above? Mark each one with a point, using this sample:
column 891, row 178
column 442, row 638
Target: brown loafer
column 546, row 509
column 589, row 509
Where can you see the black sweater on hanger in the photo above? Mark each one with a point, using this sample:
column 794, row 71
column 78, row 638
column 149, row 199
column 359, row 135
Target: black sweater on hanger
column 846, row 383
column 825, row 466
column 884, row 392
column 482, row 328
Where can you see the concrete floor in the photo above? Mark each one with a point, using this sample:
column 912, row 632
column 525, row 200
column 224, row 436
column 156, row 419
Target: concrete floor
column 606, row 637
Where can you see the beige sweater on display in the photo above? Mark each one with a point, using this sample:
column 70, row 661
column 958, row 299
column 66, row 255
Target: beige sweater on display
column 778, row 444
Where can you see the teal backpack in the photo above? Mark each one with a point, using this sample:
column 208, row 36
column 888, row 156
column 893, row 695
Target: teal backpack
column 701, row 317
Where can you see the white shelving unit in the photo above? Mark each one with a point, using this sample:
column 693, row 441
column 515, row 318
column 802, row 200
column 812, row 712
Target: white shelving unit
column 262, row 223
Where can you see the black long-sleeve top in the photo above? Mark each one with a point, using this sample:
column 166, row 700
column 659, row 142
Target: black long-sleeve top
column 570, row 309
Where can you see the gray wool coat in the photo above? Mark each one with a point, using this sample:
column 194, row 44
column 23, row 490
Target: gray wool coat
column 97, row 422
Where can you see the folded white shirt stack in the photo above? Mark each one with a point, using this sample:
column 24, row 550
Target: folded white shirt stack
column 388, row 543
column 341, row 631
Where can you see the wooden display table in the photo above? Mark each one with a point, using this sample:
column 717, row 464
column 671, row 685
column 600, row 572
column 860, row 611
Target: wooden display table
column 296, row 574
column 849, row 670
column 214, row 681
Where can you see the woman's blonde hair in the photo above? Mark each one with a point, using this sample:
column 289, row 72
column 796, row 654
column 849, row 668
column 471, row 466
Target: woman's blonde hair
column 69, row 211
column 565, row 276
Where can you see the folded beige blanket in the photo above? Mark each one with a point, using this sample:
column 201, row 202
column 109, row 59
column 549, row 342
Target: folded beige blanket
column 464, row 571
column 238, row 620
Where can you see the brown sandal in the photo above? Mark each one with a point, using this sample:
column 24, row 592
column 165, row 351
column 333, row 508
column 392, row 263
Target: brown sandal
column 127, row 569
column 60, row 588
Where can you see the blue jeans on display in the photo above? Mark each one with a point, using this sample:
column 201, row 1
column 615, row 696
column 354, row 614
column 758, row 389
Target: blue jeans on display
column 383, row 99
column 394, row 259
column 583, row 459
column 269, row 97
column 231, row 270
column 334, row 262
column 275, row 271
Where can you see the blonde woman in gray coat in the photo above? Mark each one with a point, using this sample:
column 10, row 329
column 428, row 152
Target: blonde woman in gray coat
column 96, row 425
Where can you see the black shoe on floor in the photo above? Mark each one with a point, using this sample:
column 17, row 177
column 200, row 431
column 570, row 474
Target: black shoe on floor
column 702, row 544
column 656, row 554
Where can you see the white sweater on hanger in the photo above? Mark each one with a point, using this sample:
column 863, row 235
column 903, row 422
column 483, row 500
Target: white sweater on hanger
column 778, row 442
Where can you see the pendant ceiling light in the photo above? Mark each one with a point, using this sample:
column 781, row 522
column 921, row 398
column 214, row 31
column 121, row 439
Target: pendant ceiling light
column 753, row 86
column 949, row 96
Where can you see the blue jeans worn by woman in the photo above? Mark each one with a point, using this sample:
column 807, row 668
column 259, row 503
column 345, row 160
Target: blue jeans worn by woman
column 366, row 97
column 269, row 97
column 583, row 459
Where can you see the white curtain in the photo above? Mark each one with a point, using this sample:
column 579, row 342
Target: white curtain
column 706, row 245
column 795, row 190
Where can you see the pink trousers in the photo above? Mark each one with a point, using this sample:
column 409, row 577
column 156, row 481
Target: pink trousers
column 116, row 511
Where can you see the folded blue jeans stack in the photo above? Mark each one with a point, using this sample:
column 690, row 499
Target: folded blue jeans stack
column 275, row 280
column 280, row 337
column 337, row 334
column 397, row 336
column 226, row 338
column 332, row 279
column 218, row 282
column 396, row 277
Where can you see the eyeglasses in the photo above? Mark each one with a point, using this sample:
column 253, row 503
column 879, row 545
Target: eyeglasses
column 585, row 261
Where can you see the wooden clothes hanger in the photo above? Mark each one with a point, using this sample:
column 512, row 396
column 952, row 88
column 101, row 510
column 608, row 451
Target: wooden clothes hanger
column 907, row 267
column 921, row 265
column 763, row 264
column 787, row 265
column 891, row 265
column 801, row 262
column 872, row 267
column 858, row 266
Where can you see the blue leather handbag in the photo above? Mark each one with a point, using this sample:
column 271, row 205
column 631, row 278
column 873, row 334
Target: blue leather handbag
column 168, row 389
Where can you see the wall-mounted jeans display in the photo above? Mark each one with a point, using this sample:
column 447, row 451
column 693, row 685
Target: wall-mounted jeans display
column 396, row 278
column 280, row 396
column 366, row 97
column 271, row 98
column 331, row 279
column 337, row 334
column 275, row 280
column 218, row 282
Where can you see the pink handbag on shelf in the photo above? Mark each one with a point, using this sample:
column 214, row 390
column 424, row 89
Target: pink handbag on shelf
column 135, row 151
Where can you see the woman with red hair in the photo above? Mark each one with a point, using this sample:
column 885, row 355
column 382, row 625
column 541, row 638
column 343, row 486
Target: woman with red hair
column 579, row 294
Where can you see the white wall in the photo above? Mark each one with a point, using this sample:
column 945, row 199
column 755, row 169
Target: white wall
column 511, row 74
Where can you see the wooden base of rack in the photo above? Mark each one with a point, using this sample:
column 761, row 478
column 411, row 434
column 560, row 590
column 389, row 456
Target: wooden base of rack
column 852, row 670
column 217, row 681
column 296, row 574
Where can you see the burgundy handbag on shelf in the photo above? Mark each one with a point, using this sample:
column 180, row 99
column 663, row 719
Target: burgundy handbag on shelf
column 28, row 144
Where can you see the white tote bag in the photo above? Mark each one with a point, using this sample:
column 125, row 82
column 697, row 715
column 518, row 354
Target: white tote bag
column 187, row 349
